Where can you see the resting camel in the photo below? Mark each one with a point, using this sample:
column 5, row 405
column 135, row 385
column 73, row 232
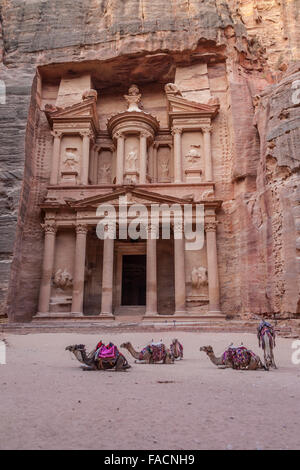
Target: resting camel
column 250, row 361
column 176, row 349
column 266, row 340
column 151, row 354
column 93, row 363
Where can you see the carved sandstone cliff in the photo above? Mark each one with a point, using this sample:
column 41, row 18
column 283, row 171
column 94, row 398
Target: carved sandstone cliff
column 258, row 181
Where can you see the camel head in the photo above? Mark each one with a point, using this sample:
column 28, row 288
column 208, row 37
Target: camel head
column 207, row 349
column 75, row 347
column 125, row 345
column 78, row 350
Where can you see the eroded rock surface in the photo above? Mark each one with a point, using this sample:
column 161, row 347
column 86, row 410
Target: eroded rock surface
column 247, row 45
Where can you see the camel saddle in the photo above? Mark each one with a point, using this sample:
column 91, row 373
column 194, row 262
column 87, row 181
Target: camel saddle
column 157, row 350
column 108, row 353
column 240, row 356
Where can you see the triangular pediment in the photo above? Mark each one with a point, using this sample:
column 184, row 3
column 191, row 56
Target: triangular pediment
column 180, row 105
column 77, row 112
column 133, row 196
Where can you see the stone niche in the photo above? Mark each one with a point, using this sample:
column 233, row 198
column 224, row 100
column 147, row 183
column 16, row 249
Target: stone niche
column 164, row 164
column 62, row 278
column 70, row 159
column 105, row 166
column 193, row 156
column 196, row 279
column 132, row 158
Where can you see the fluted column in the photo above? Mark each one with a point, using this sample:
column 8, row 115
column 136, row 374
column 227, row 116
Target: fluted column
column 179, row 267
column 120, row 157
column 177, row 155
column 85, row 157
column 143, row 157
column 55, row 157
column 212, row 267
column 151, row 271
column 79, row 269
column 107, row 275
column 48, row 261
column 207, row 152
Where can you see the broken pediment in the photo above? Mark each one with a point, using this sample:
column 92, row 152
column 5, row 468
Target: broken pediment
column 180, row 107
column 80, row 112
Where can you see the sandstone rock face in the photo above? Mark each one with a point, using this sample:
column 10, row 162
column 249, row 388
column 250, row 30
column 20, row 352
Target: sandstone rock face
column 244, row 47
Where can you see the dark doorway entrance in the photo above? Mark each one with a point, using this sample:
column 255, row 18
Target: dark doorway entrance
column 134, row 280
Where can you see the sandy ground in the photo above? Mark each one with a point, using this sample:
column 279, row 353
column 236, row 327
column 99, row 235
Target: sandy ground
column 49, row 402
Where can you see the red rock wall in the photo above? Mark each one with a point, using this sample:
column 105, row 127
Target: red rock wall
column 258, row 177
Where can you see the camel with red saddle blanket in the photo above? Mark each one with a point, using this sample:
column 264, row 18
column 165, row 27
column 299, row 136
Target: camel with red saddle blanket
column 235, row 358
column 101, row 358
column 150, row 354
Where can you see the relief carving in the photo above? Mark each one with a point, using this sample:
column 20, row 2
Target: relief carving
column 164, row 165
column 199, row 277
column 133, row 98
column 131, row 160
column 71, row 159
column 172, row 89
column 105, row 173
column 62, row 279
column 194, row 155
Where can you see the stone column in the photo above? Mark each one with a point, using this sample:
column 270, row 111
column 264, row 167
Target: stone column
column 212, row 267
column 143, row 157
column 120, row 157
column 207, row 153
column 177, row 155
column 55, row 157
column 85, row 157
column 179, row 266
column 48, row 261
column 79, row 269
column 151, row 273
column 107, row 276
column 154, row 158
column 94, row 165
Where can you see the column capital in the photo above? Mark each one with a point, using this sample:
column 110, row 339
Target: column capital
column 49, row 227
column 211, row 226
column 81, row 228
column 119, row 135
column 145, row 134
column 56, row 134
column 177, row 130
column 206, row 129
column 110, row 230
column 86, row 133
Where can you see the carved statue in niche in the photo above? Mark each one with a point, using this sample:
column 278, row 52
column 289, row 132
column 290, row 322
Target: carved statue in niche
column 199, row 277
column 133, row 98
column 105, row 173
column 131, row 160
column 71, row 159
column 62, row 279
column 164, row 165
column 193, row 156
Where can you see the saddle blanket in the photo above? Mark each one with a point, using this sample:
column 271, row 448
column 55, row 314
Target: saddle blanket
column 109, row 352
column 240, row 357
column 157, row 350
